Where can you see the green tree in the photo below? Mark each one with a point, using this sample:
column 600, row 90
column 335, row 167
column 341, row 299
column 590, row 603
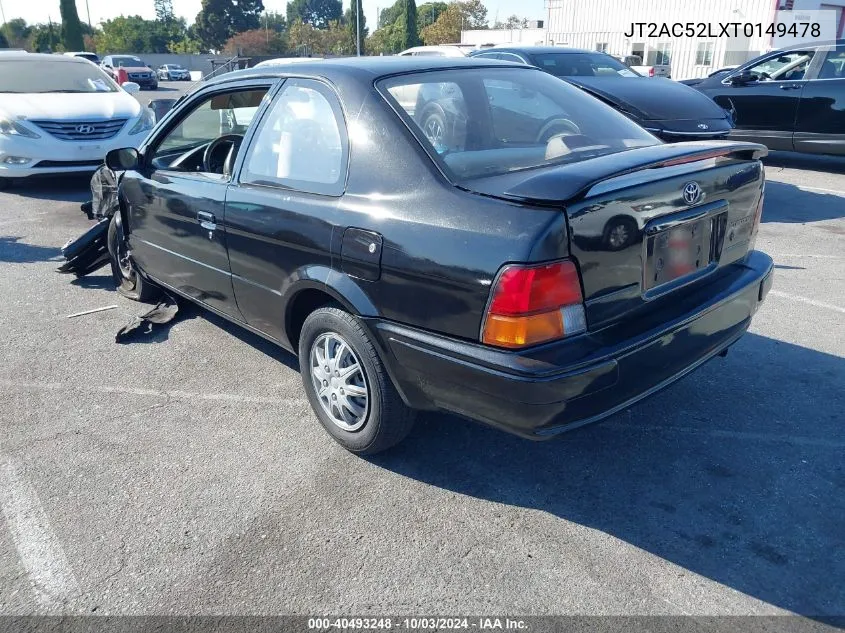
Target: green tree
column 43, row 37
column 164, row 10
column 317, row 13
column 428, row 13
column 408, row 25
column 256, row 42
column 16, row 32
column 469, row 14
column 218, row 20
column 351, row 24
column 4, row 43
column 71, row 26
column 274, row 21
column 391, row 14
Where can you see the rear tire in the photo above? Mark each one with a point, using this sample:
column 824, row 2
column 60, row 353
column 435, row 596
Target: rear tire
column 357, row 403
column 129, row 281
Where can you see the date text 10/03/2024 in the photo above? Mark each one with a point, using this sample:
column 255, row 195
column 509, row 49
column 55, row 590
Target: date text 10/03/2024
column 417, row 624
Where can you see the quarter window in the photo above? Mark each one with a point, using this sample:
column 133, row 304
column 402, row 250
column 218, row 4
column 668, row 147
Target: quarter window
column 301, row 142
column 833, row 66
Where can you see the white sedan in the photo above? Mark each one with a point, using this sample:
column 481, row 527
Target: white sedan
column 62, row 114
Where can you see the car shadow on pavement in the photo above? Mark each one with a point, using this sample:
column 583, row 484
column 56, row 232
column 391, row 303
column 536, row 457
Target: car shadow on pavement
column 734, row 473
column 17, row 252
column 812, row 162
column 258, row 342
column 787, row 203
column 70, row 188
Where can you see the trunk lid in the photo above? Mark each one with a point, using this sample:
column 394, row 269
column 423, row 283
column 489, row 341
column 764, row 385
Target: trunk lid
column 647, row 223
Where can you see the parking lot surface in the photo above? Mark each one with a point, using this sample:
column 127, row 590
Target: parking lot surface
column 186, row 473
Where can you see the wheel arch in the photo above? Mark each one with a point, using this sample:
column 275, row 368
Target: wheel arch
column 319, row 286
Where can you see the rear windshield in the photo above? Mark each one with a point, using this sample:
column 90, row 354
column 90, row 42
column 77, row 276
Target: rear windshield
column 581, row 65
column 488, row 121
column 44, row 76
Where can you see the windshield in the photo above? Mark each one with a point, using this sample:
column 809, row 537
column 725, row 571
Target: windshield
column 129, row 62
column 44, row 76
column 520, row 119
column 581, row 65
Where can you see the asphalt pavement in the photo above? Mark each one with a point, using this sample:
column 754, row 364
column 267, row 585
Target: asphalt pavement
column 186, row 474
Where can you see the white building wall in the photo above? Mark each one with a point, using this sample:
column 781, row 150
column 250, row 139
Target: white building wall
column 587, row 23
column 526, row 37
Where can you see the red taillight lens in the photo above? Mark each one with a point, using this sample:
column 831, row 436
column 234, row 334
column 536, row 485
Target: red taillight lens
column 526, row 290
column 651, row 72
column 534, row 304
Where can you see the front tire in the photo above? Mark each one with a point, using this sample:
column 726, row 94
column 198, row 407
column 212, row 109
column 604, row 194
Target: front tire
column 129, row 282
column 348, row 386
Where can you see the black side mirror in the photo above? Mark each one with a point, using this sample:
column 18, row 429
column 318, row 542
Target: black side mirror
column 745, row 77
column 123, row 159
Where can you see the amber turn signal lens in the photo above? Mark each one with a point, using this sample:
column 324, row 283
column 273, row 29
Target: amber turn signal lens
column 519, row 331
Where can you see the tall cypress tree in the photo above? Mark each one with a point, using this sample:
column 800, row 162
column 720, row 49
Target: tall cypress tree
column 356, row 11
column 71, row 26
column 408, row 25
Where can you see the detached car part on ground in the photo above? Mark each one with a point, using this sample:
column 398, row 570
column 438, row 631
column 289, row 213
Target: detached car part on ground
column 670, row 110
column 533, row 281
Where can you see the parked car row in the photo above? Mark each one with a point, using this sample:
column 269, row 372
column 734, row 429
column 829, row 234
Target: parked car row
column 789, row 99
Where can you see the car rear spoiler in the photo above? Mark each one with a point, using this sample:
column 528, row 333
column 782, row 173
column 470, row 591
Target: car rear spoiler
column 563, row 183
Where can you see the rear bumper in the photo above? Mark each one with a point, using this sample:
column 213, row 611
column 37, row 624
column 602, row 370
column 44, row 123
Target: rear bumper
column 554, row 388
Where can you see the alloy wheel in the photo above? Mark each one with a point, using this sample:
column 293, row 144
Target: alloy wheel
column 339, row 381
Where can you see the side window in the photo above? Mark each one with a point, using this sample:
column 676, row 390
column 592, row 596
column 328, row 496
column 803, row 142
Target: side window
column 833, row 66
column 226, row 114
column 786, row 67
column 301, row 142
column 510, row 57
column 489, row 55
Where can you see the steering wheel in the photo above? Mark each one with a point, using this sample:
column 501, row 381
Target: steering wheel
column 557, row 127
column 210, row 161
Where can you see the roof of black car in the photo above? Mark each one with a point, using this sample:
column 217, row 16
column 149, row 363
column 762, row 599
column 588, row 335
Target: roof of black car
column 375, row 66
column 533, row 49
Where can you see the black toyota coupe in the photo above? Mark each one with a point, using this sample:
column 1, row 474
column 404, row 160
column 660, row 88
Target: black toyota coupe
column 535, row 269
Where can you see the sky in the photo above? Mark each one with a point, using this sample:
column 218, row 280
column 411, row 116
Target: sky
column 34, row 11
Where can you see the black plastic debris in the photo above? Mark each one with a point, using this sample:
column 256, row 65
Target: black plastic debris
column 144, row 325
column 89, row 251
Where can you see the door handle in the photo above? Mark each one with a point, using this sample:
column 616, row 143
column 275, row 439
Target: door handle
column 790, row 87
column 207, row 220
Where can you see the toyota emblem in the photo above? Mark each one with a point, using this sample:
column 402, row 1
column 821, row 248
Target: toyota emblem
column 84, row 128
column 692, row 192
column 703, row 126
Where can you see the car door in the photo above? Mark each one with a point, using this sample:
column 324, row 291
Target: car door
column 765, row 105
column 175, row 201
column 279, row 213
column 820, row 125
